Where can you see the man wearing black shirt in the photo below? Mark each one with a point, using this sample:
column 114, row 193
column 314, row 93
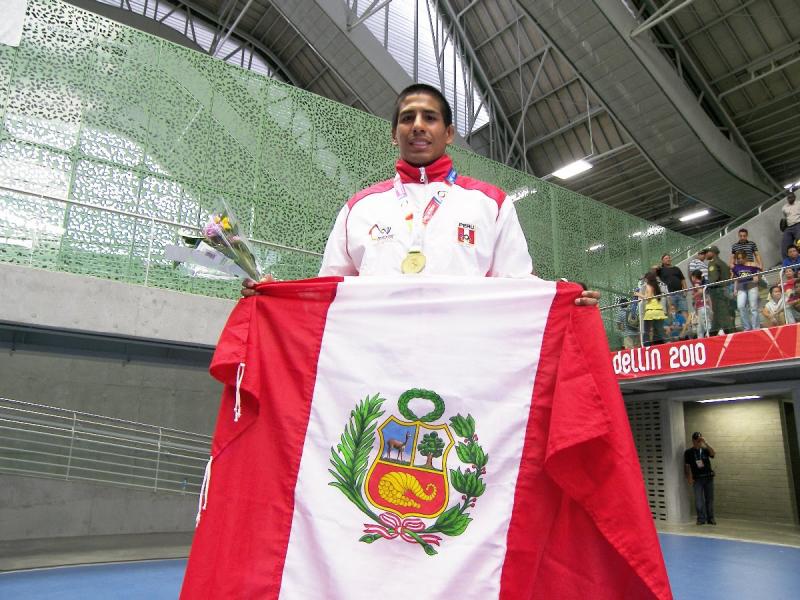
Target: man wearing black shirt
column 700, row 475
column 676, row 282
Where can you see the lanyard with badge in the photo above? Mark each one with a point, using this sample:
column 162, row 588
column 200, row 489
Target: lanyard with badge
column 414, row 261
column 699, row 460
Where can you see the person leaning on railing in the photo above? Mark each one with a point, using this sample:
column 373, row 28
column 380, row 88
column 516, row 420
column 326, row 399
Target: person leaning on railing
column 773, row 310
column 654, row 315
column 745, row 288
column 719, row 271
column 702, row 305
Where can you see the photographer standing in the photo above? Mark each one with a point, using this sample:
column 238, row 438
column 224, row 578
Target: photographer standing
column 700, row 475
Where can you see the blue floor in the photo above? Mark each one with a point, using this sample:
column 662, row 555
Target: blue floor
column 699, row 569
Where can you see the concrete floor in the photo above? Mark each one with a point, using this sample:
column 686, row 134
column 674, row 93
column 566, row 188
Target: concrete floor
column 54, row 552
column 746, row 531
column 730, row 570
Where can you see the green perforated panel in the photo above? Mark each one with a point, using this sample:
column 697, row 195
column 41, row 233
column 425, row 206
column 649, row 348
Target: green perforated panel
column 113, row 139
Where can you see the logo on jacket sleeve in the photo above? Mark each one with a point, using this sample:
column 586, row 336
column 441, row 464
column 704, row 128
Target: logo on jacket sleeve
column 408, row 479
column 466, row 234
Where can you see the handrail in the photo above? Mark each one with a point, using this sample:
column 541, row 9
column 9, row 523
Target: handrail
column 134, row 215
column 48, row 441
column 706, row 241
column 717, row 284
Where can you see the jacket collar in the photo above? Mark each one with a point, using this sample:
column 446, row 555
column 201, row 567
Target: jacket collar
column 436, row 171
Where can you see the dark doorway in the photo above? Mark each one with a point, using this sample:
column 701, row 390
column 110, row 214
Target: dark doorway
column 790, row 419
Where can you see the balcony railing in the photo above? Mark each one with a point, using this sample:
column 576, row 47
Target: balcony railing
column 51, row 442
column 630, row 334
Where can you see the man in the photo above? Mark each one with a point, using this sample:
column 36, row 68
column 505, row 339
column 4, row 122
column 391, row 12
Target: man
column 720, row 303
column 700, row 475
column 791, row 212
column 428, row 219
column 698, row 263
column 676, row 282
column 792, row 258
column 748, row 247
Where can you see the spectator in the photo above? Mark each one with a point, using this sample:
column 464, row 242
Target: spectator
column 676, row 282
column 749, row 248
column 676, row 325
column 627, row 321
column 745, row 288
column 791, row 213
column 789, row 275
column 700, row 475
column 698, row 263
column 719, row 271
column 792, row 257
column 654, row 315
column 702, row 305
column 793, row 300
column 773, row 310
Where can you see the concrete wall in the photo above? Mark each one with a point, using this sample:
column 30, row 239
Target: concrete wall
column 100, row 306
column 762, row 229
column 127, row 365
column 752, row 479
column 167, row 395
column 45, row 508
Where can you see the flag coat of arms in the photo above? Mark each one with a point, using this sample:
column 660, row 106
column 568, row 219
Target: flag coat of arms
column 425, row 437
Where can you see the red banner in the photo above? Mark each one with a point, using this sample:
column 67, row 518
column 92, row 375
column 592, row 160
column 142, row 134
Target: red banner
column 744, row 348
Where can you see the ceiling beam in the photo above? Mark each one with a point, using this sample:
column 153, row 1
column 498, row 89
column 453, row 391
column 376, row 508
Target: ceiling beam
column 484, row 85
column 565, row 128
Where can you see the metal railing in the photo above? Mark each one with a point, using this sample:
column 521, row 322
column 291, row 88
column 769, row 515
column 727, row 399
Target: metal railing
column 721, row 286
column 45, row 441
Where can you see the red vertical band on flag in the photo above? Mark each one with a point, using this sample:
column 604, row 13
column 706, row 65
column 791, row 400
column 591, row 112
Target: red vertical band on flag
column 580, row 526
column 240, row 545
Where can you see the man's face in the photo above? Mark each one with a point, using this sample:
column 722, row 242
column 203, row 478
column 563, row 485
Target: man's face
column 742, row 236
column 776, row 294
column 698, row 442
column 790, row 198
column 421, row 133
column 666, row 260
column 792, row 252
column 703, row 255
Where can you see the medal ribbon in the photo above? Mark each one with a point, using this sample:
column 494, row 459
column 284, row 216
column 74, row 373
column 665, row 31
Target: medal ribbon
column 417, row 222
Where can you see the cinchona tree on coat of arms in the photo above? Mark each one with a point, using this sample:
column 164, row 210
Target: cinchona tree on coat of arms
column 407, row 479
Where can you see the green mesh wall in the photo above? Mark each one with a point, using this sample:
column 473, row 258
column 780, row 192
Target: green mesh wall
column 112, row 140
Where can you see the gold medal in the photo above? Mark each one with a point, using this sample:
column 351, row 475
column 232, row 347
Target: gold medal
column 414, row 262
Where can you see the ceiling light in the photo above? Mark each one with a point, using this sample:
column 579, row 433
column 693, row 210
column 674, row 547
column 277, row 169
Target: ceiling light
column 789, row 186
column 694, row 215
column 572, row 169
column 596, row 247
column 729, row 399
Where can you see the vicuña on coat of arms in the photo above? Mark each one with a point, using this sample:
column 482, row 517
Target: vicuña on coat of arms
column 408, row 479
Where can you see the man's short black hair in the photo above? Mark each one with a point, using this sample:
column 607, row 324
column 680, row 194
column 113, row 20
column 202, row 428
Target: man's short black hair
column 697, row 273
column 743, row 229
column 423, row 88
column 665, row 254
column 774, row 287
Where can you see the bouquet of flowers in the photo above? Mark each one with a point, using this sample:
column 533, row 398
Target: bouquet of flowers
column 222, row 234
column 221, row 246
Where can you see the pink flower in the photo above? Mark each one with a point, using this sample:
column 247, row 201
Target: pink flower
column 212, row 230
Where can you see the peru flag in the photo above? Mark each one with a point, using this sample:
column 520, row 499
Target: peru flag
column 421, row 438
